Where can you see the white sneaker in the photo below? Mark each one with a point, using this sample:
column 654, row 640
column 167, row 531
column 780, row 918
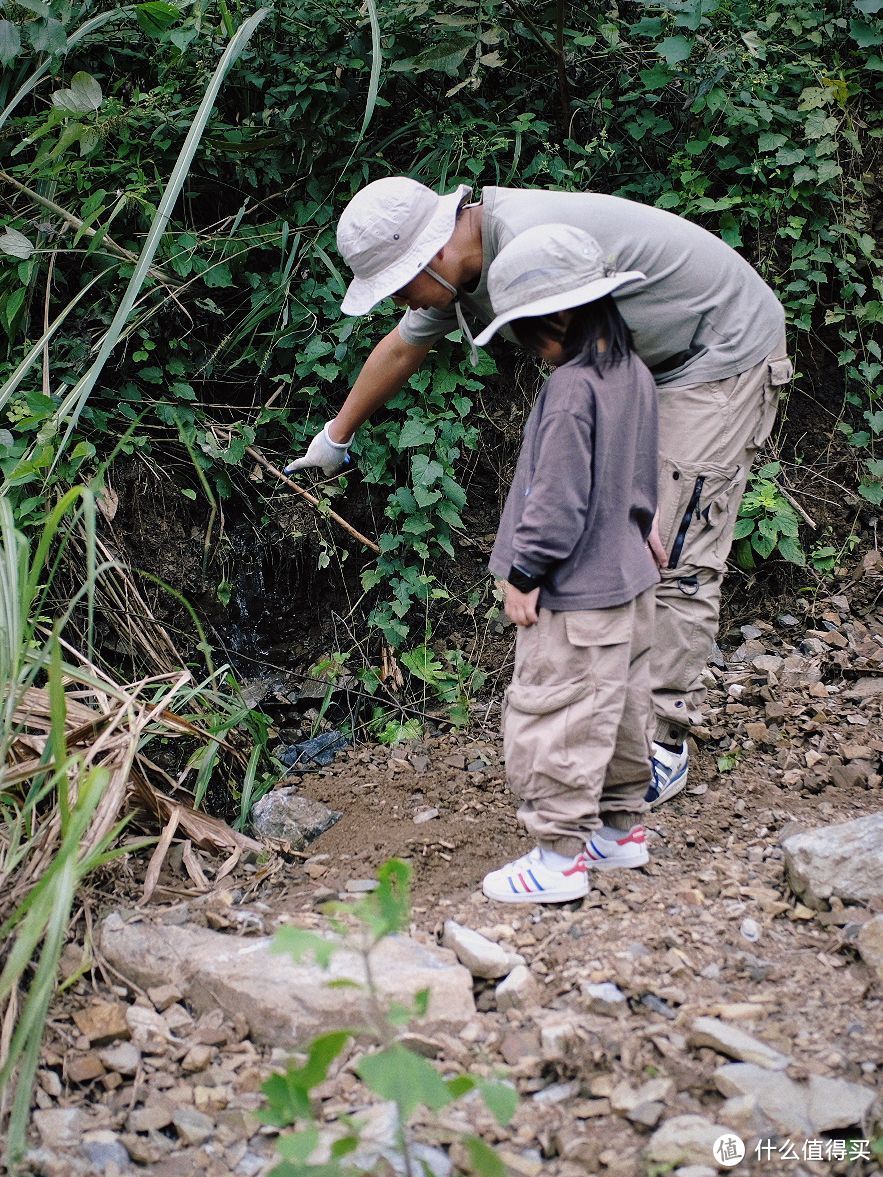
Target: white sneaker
column 609, row 849
column 669, row 774
column 530, row 880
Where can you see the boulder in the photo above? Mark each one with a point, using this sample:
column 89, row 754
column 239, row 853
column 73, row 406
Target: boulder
column 805, row 1109
column 843, row 860
column 287, row 1003
column 685, row 1140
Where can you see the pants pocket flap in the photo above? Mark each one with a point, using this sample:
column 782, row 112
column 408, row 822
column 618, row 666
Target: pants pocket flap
column 599, row 627
column 781, row 372
column 533, row 700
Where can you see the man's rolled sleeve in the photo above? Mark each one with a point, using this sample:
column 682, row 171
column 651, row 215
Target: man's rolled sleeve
column 420, row 328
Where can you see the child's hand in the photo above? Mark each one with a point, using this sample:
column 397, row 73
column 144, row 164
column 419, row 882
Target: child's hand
column 521, row 607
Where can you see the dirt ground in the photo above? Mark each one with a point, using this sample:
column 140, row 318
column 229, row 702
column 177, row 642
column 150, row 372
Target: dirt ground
column 710, row 927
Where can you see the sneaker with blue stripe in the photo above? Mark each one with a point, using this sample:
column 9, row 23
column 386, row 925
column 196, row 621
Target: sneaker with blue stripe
column 530, row 880
column 669, row 774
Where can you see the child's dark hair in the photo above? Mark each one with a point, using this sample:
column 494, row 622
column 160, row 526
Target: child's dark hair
column 589, row 323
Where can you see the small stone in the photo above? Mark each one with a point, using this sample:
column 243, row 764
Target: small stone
column 735, row 1043
column 843, row 861
column 750, row 930
column 193, row 1127
column 286, row 815
column 557, row 1038
column 625, row 1099
column 481, row 956
column 870, row 945
column 424, row 815
column 102, row 1022
column 83, row 1068
column 163, row 996
column 59, row 1127
column 148, row 1028
column 197, row 1058
column 606, row 999
column 648, row 1114
column 123, row 1057
column 103, row 1148
column 558, row 1092
column 362, row 886
column 518, row 991
column 152, row 1118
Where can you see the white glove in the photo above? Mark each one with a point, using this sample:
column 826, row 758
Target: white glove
column 330, row 456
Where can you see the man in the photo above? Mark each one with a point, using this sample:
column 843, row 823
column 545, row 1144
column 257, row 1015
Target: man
column 710, row 330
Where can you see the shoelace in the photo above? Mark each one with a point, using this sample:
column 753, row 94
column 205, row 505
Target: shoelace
column 458, row 310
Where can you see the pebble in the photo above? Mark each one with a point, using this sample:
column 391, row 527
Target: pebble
column 481, row 956
column 362, row 886
column 102, row 1022
column 749, row 929
column 59, row 1127
column 605, row 998
column 103, row 1148
column 193, row 1127
column 518, row 991
column 122, row 1057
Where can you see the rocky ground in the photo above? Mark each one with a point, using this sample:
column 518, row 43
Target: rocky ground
column 734, row 987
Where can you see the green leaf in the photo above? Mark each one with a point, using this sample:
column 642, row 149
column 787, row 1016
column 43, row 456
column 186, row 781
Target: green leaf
column 299, row 1146
column 485, row 1162
column 13, row 305
column 415, row 432
column 217, row 276
column 770, row 142
column 404, row 1077
column 501, row 1099
column 15, row 244
column 792, row 551
column 155, row 17
column 83, row 96
column 10, row 42
column 48, row 36
column 675, row 49
column 865, row 35
column 298, row 943
column 657, row 77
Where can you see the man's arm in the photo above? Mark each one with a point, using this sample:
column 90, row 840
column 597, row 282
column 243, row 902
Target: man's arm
column 387, row 369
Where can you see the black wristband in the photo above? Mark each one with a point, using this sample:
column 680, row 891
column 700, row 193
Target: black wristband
column 523, row 581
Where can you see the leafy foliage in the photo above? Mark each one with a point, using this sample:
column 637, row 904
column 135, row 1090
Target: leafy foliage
column 761, row 121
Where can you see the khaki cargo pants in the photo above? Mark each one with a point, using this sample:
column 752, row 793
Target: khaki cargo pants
column 708, row 436
column 577, row 717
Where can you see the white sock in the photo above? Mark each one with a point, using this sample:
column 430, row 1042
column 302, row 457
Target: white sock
column 555, row 861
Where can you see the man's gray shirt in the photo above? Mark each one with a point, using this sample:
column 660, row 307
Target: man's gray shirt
column 584, row 492
column 703, row 314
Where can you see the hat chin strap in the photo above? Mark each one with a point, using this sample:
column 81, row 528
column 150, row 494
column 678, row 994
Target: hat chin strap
column 458, row 310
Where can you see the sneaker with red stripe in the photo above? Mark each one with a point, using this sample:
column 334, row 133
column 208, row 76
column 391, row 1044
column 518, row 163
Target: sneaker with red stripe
column 530, row 880
column 610, row 849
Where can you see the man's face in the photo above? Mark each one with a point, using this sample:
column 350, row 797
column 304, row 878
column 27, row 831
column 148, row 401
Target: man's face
column 423, row 292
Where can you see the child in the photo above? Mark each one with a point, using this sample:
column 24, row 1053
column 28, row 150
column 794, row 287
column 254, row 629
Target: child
column 572, row 549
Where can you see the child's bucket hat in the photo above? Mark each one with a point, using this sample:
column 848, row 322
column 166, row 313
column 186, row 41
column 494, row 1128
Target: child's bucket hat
column 546, row 269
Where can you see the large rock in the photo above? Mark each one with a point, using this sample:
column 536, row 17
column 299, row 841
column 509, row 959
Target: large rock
column 844, row 860
column 285, row 815
column 287, row 1003
column 870, row 945
column 685, row 1140
column 804, row 1109
column 735, row 1043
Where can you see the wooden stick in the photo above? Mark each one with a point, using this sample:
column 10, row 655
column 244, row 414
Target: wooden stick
column 311, row 499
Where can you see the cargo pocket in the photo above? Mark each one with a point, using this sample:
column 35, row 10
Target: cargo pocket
column 696, row 513
column 548, row 723
column 779, row 373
